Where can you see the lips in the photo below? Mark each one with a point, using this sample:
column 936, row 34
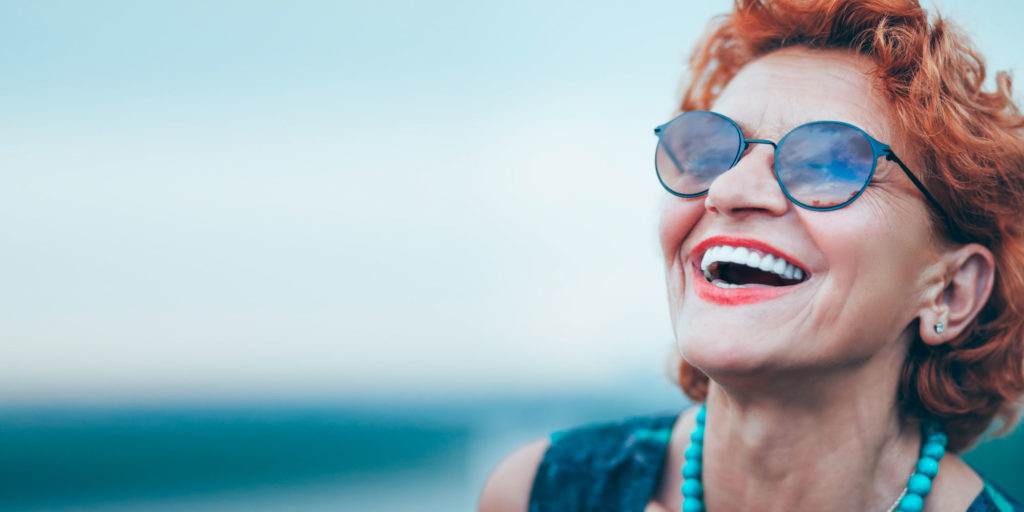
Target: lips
column 734, row 271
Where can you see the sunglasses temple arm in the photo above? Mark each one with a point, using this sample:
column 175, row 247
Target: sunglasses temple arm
column 889, row 155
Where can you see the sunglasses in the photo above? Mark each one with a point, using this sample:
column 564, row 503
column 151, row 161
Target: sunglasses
column 824, row 165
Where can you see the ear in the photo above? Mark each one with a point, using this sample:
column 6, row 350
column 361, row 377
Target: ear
column 969, row 272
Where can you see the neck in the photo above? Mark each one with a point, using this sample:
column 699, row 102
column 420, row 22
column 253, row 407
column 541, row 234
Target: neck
column 831, row 443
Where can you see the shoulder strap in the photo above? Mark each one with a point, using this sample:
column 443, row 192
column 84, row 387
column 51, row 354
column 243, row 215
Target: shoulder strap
column 603, row 467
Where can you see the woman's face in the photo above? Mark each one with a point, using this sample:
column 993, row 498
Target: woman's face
column 867, row 264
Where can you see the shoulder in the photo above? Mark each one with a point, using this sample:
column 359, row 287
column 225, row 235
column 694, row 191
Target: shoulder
column 574, row 464
column 508, row 487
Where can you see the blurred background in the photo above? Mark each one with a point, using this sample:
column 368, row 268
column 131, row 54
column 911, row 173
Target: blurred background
column 315, row 255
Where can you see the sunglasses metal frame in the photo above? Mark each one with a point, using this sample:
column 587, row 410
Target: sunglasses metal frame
column 879, row 149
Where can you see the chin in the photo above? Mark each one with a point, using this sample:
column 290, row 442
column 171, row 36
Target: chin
column 734, row 356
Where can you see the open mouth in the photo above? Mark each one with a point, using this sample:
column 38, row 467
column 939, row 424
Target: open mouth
column 727, row 266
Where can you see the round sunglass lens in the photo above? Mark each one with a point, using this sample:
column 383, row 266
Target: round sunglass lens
column 824, row 165
column 694, row 149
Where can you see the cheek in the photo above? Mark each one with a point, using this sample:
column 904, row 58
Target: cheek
column 874, row 264
column 678, row 216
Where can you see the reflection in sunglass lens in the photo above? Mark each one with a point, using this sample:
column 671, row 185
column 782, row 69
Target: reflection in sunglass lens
column 824, row 165
column 694, row 149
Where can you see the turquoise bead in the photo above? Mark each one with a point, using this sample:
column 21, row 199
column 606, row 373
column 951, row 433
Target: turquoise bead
column 911, row 503
column 933, row 450
column 938, row 437
column 697, row 435
column 928, row 466
column 692, row 469
column 701, row 415
column 919, row 484
column 692, row 505
column 692, row 488
column 694, row 452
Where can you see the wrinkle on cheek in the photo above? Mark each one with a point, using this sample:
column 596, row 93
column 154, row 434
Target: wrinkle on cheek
column 837, row 233
column 678, row 218
column 895, row 216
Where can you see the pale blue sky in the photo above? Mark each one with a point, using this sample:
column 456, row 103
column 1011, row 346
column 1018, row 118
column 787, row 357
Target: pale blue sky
column 311, row 198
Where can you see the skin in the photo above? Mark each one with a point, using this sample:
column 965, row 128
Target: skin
column 802, row 411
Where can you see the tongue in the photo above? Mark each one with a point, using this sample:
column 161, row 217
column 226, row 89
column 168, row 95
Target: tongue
column 742, row 274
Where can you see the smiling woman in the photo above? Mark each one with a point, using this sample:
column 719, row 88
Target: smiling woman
column 849, row 318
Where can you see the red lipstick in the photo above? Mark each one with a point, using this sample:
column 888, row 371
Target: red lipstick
column 735, row 296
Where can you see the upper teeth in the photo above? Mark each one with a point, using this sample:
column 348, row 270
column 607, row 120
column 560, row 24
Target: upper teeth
column 744, row 256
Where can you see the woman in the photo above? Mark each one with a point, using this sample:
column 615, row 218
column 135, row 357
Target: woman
column 844, row 253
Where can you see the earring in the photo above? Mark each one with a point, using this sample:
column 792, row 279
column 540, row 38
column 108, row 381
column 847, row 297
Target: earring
column 939, row 327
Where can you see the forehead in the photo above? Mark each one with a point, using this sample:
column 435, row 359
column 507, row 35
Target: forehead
column 784, row 89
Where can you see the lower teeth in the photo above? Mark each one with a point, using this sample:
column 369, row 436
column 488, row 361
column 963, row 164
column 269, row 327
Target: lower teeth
column 722, row 284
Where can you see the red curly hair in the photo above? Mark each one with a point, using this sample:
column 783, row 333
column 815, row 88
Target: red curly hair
column 971, row 143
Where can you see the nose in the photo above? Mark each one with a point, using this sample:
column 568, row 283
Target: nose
column 750, row 186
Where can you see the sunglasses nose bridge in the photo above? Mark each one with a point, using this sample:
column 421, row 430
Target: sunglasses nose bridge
column 749, row 185
column 761, row 141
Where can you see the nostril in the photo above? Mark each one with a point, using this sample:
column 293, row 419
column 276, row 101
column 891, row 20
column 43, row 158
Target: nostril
column 709, row 205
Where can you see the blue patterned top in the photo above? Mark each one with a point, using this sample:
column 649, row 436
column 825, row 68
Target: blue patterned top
column 616, row 467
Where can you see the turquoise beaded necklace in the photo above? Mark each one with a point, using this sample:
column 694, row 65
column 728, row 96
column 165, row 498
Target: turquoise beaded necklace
column 933, row 447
